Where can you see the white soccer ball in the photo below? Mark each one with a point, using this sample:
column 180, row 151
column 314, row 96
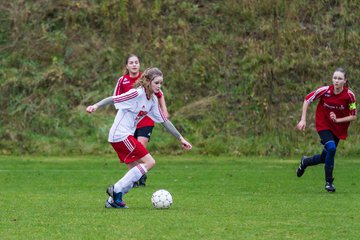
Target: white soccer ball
column 161, row 199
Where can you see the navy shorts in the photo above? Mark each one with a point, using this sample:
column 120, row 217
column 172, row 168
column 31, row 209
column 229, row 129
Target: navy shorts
column 326, row 136
column 143, row 132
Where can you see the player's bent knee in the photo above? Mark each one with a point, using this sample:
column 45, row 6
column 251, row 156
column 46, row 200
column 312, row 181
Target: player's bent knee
column 331, row 147
column 148, row 161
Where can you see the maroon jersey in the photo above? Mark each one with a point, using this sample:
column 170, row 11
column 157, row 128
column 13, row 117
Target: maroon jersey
column 342, row 104
column 124, row 84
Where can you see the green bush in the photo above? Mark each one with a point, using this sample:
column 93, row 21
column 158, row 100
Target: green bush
column 236, row 72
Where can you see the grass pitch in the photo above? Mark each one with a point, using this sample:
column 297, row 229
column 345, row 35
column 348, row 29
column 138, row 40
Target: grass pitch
column 214, row 198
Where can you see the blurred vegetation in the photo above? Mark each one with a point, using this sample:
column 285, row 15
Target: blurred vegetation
column 236, row 71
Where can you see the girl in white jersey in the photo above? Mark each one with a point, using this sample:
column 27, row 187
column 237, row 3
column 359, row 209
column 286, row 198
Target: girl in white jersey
column 145, row 127
column 132, row 107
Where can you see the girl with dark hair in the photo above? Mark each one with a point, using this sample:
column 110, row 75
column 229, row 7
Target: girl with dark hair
column 334, row 112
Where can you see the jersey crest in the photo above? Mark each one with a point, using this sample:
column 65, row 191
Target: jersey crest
column 126, row 81
column 141, row 115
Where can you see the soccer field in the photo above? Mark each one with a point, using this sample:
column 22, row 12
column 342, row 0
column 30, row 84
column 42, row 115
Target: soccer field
column 214, row 198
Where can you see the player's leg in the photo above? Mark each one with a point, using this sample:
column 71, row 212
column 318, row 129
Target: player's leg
column 134, row 174
column 143, row 135
column 135, row 155
column 330, row 142
column 310, row 161
column 325, row 136
column 142, row 180
column 329, row 165
column 125, row 184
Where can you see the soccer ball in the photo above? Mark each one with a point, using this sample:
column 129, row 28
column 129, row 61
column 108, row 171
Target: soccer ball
column 161, row 199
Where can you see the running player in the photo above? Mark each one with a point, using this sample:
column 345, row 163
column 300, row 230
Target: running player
column 334, row 112
column 132, row 107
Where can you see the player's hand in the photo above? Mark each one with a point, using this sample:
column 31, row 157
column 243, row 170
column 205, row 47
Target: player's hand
column 333, row 116
column 91, row 109
column 301, row 125
column 185, row 144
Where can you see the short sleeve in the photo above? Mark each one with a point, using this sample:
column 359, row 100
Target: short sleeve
column 159, row 94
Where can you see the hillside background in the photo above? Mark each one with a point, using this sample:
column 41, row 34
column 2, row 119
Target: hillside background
column 236, row 72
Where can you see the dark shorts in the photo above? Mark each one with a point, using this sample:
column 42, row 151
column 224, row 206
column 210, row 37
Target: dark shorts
column 326, row 136
column 143, row 132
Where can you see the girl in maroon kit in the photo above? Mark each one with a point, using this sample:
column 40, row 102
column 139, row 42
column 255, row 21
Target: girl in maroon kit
column 126, row 82
column 334, row 112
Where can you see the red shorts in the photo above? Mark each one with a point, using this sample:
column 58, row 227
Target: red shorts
column 129, row 150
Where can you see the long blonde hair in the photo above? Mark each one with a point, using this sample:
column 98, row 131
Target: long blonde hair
column 146, row 78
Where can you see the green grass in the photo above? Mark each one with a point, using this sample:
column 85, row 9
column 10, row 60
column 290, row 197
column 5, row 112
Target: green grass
column 214, row 198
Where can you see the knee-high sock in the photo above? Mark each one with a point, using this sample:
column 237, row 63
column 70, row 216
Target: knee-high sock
column 316, row 159
column 329, row 174
column 331, row 150
column 329, row 161
column 126, row 182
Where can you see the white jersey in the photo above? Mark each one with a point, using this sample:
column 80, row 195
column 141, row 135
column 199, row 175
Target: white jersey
column 132, row 107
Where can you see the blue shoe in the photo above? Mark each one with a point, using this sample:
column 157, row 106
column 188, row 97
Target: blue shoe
column 115, row 205
column 118, row 202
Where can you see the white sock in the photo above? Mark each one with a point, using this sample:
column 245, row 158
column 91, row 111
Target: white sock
column 126, row 182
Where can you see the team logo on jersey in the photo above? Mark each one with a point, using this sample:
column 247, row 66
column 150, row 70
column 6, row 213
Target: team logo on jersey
column 327, row 94
column 140, row 115
column 126, row 81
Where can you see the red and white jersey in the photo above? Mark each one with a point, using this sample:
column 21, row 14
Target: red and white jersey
column 342, row 104
column 132, row 107
column 124, row 84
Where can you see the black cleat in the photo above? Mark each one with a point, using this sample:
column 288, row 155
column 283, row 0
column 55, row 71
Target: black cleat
column 301, row 169
column 142, row 180
column 329, row 186
column 135, row 184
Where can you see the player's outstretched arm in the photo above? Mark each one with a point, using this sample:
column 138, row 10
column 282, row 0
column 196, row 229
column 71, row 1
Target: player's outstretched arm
column 170, row 127
column 102, row 103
